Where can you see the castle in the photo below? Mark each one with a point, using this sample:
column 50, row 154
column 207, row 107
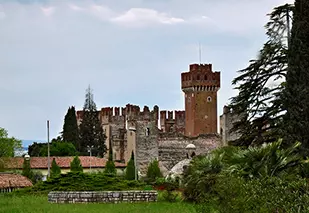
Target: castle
column 164, row 135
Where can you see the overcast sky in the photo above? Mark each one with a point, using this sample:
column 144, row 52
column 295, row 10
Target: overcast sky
column 130, row 51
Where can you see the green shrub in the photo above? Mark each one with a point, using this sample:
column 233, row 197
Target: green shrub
column 130, row 170
column 37, row 177
column 79, row 181
column 27, row 171
column 55, row 169
column 75, row 165
column 201, row 176
column 110, row 168
column 271, row 194
column 153, row 171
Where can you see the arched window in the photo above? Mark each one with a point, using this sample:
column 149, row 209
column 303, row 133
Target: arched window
column 205, row 78
column 209, row 99
column 198, row 77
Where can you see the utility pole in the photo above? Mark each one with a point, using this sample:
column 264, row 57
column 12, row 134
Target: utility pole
column 48, row 151
column 89, row 150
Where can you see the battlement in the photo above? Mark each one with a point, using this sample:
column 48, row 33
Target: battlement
column 200, row 78
column 200, row 67
column 172, row 121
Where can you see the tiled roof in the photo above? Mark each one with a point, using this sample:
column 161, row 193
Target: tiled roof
column 10, row 180
column 63, row 162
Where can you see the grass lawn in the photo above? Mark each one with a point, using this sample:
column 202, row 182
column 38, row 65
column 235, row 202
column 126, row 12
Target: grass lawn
column 39, row 204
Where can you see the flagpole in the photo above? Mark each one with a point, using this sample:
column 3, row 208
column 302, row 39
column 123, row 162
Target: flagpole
column 48, row 151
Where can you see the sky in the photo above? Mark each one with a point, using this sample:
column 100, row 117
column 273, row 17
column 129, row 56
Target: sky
column 129, row 51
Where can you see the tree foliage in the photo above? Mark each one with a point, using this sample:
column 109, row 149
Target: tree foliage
column 27, row 171
column 8, row 144
column 57, row 148
column 7, row 147
column 110, row 168
column 296, row 94
column 260, row 85
column 55, row 169
column 75, row 165
column 70, row 128
column 130, row 170
column 153, row 171
column 90, row 130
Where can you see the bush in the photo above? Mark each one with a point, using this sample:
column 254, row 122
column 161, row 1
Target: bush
column 55, row 169
column 27, row 171
column 153, row 171
column 201, row 176
column 78, row 181
column 110, row 168
column 37, row 177
column 130, row 170
column 75, row 165
column 271, row 194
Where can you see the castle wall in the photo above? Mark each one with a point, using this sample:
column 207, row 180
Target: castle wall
column 227, row 120
column 172, row 149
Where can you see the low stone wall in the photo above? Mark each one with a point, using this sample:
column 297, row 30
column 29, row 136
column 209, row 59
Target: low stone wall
column 102, row 196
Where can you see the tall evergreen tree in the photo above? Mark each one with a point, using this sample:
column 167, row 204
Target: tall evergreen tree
column 70, row 128
column 261, row 84
column 75, row 165
column 91, row 132
column 27, row 171
column 110, row 168
column 55, row 169
column 130, row 170
column 296, row 94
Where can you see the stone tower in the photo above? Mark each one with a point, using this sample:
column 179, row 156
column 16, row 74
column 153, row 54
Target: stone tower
column 200, row 86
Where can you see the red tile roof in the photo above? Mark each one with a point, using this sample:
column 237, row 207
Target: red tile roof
column 63, row 162
column 10, row 180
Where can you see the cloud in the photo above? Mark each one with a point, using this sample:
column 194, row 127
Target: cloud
column 48, row 11
column 2, row 13
column 144, row 17
column 127, row 52
column 75, row 7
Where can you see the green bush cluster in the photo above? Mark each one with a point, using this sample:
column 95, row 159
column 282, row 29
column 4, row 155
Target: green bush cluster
column 268, row 178
column 78, row 181
column 153, row 171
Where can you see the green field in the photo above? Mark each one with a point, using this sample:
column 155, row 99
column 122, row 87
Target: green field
column 39, row 204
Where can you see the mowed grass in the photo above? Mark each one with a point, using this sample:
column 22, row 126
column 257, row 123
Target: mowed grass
column 39, row 204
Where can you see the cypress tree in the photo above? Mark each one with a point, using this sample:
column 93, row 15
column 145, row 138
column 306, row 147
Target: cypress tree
column 296, row 94
column 110, row 168
column 91, row 132
column 55, row 169
column 75, row 165
column 27, row 171
column 70, row 128
column 153, row 171
column 130, row 170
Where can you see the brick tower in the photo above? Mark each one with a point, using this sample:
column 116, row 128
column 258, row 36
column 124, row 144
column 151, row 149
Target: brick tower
column 200, row 86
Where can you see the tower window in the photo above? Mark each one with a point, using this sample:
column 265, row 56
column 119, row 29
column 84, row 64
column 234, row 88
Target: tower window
column 205, row 77
column 198, row 77
column 209, row 99
column 147, row 131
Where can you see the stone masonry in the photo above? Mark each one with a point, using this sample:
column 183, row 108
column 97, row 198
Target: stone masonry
column 102, row 196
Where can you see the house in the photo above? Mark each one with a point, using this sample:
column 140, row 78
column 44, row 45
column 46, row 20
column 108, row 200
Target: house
column 10, row 182
column 89, row 164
